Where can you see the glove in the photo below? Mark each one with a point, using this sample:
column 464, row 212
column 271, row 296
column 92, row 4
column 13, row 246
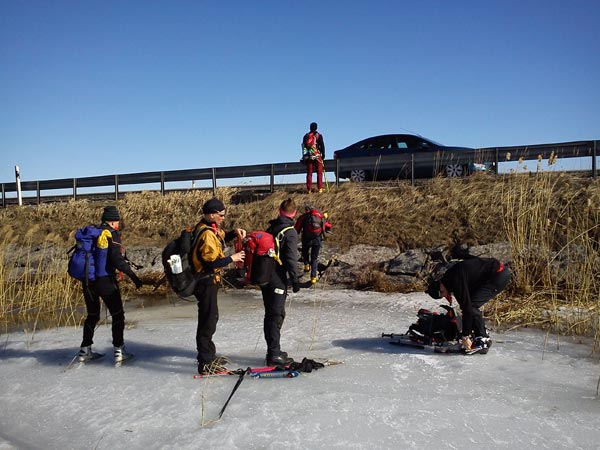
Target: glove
column 466, row 343
column 295, row 287
column 138, row 283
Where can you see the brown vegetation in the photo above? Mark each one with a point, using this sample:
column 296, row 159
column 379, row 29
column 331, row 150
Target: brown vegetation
column 551, row 221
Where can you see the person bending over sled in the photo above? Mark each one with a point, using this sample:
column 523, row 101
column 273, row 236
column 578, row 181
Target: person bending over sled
column 473, row 282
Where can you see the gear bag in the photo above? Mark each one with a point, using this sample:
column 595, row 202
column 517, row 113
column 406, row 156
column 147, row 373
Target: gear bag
column 81, row 262
column 313, row 224
column 310, row 140
column 309, row 147
column 262, row 253
column 178, row 269
column 433, row 327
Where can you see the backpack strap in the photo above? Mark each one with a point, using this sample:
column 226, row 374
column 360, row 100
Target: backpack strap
column 279, row 238
column 195, row 237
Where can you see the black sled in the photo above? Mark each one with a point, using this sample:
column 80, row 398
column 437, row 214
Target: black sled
column 432, row 329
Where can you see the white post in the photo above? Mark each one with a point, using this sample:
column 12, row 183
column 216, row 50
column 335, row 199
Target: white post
column 18, row 180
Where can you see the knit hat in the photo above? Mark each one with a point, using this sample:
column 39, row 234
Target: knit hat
column 110, row 214
column 214, row 205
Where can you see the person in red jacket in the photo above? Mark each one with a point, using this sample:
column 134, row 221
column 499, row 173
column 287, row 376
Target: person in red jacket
column 473, row 282
column 312, row 225
column 313, row 155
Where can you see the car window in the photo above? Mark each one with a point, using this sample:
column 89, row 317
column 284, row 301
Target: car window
column 380, row 143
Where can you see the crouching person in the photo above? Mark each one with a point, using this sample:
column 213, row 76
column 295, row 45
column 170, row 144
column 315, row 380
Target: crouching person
column 473, row 282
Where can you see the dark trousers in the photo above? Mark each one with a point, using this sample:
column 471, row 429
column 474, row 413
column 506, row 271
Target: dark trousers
column 484, row 294
column 310, row 254
column 274, row 294
column 317, row 166
column 208, row 316
column 107, row 289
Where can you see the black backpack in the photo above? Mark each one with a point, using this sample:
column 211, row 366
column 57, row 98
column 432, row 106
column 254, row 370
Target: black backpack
column 176, row 259
column 433, row 327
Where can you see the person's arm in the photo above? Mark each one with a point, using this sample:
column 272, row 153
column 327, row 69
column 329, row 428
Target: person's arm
column 290, row 261
column 463, row 297
column 118, row 261
column 321, row 145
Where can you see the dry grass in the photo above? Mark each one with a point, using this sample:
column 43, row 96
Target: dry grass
column 551, row 221
column 40, row 294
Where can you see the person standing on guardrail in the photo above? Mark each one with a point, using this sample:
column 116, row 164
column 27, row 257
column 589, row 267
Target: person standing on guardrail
column 313, row 155
column 208, row 258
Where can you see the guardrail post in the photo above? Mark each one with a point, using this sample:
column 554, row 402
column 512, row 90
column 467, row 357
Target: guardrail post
column 337, row 173
column 214, row 181
column 497, row 162
column 116, row 187
column 594, row 164
column 272, row 176
column 37, row 188
column 412, row 169
column 75, row 189
column 18, row 180
column 3, row 196
column 162, row 183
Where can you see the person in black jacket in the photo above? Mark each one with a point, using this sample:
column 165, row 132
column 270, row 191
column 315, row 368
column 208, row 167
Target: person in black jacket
column 274, row 292
column 473, row 282
column 109, row 258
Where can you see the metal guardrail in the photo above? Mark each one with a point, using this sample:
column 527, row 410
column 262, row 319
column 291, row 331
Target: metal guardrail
column 408, row 161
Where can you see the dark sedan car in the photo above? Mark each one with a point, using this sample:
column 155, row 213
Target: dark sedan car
column 393, row 156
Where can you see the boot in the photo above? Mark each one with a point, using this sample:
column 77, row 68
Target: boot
column 216, row 366
column 281, row 360
column 121, row 355
column 484, row 342
column 313, row 280
column 86, row 354
column 306, row 267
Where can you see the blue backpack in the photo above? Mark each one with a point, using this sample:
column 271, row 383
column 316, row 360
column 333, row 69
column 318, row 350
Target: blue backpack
column 81, row 262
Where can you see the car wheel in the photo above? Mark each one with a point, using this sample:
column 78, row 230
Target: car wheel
column 358, row 175
column 455, row 171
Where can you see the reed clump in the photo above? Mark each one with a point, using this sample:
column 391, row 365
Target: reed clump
column 37, row 294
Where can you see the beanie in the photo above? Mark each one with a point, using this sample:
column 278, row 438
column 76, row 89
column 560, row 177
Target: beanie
column 110, row 214
column 214, row 205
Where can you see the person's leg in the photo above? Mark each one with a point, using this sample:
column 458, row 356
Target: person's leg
column 92, row 305
column 274, row 295
column 305, row 252
column 319, row 163
column 315, row 248
column 309, row 175
column 109, row 291
column 483, row 295
column 208, row 316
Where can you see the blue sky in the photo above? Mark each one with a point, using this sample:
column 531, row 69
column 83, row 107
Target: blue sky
column 107, row 87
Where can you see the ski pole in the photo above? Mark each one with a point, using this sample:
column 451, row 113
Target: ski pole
column 325, row 174
column 237, row 385
column 276, row 374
